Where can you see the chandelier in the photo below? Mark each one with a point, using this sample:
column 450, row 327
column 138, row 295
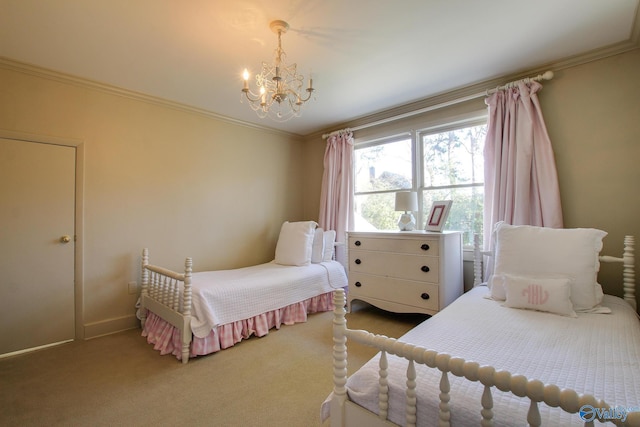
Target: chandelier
column 281, row 95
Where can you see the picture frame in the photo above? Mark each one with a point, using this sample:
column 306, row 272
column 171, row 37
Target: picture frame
column 438, row 215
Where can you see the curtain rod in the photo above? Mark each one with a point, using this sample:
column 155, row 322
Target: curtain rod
column 548, row 75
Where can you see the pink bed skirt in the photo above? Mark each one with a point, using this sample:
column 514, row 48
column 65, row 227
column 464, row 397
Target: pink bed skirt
column 166, row 338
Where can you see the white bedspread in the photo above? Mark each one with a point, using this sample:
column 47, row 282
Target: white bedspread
column 225, row 296
column 597, row 354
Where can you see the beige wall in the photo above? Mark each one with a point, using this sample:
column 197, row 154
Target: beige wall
column 185, row 184
column 592, row 113
column 178, row 182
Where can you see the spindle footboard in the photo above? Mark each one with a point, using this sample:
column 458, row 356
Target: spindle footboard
column 168, row 294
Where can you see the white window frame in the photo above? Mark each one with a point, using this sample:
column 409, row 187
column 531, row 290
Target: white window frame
column 390, row 140
column 415, row 135
column 421, row 188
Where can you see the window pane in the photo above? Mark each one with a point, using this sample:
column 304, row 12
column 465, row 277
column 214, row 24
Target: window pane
column 454, row 157
column 383, row 167
column 376, row 212
column 466, row 209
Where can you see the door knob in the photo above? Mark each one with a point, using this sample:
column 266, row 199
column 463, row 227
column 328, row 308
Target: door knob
column 65, row 239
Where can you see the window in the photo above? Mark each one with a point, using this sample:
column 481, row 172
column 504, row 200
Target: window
column 440, row 164
column 453, row 169
column 381, row 169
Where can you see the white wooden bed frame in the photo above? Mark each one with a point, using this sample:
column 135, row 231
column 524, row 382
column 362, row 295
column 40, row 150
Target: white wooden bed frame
column 161, row 294
column 346, row 413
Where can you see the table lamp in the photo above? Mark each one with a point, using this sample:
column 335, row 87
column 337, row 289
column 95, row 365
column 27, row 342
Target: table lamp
column 407, row 201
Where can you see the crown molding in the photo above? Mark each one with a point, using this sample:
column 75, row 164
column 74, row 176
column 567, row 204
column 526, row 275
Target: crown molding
column 465, row 91
column 37, row 71
column 442, row 98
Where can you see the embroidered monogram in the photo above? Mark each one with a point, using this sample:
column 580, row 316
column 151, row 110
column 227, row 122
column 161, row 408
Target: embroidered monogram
column 536, row 295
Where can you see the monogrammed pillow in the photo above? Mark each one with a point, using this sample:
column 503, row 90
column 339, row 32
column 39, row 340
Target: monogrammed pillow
column 550, row 295
column 551, row 252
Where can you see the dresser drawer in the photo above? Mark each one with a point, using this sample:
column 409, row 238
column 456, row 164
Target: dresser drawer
column 415, row 294
column 402, row 266
column 417, row 246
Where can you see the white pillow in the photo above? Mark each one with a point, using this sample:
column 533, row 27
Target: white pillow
column 317, row 247
column 551, row 252
column 550, row 295
column 329, row 241
column 496, row 285
column 295, row 242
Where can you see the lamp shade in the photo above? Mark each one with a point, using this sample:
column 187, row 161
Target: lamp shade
column 407, row 201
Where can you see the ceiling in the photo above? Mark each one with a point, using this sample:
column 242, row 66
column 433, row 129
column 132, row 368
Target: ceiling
column 365, row 56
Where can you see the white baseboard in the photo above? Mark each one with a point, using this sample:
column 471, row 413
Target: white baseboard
column 29, row 350
column 110, row 326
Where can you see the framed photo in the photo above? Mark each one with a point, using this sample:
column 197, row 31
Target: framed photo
column 438, row 215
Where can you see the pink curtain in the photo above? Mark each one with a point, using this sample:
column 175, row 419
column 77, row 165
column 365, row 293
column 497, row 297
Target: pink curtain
column 521, row 182
column 336, row 197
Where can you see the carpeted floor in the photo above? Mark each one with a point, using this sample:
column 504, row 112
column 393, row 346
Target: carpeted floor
column 119, row 380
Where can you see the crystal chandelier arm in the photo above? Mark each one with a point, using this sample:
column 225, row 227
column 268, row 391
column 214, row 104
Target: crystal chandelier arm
column 309, row 90
column 252, row 97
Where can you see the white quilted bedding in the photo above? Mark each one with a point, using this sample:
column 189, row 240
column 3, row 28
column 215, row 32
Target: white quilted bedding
column 597, row 354
column 225, row 296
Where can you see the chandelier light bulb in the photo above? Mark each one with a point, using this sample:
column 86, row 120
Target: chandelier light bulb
column 245, row 77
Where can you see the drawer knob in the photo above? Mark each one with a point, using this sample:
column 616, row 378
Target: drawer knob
column 357, row 261
column 424, row 247
column 424, row 296
column 358, row 284
column 425, row 269
column 357, row 243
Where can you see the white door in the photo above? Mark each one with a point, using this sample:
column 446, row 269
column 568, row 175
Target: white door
column 37, row 205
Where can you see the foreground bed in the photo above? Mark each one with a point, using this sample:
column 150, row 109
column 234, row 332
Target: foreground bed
column 192, row 314
column 480, row 361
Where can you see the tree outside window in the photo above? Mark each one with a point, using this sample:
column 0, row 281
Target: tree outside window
column 453, row 169
column 381, row 170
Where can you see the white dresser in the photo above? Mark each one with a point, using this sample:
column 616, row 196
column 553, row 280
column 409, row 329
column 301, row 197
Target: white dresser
column 405, row 272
